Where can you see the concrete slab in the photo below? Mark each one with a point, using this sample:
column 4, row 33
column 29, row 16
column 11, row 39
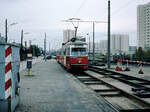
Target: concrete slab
column 52, row 89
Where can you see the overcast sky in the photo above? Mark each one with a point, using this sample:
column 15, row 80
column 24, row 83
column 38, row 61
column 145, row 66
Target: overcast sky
column 39, row 16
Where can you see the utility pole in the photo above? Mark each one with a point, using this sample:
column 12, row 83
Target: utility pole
column 25, row 44
column 93, row 42
column 45, row 47
column 49, row 48
column 108, row 44
column 89, row 41
column 34, row 50
column 21, row 38
column 21, row 49
column 6, row 31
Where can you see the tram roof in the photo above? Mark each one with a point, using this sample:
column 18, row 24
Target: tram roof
column 76, row 43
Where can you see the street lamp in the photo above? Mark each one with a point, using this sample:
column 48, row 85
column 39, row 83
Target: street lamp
column 22, row 34
column 26, row 33
column 108, row 40
column 33, row 46
column 6, row 29
column 13, row 24
column 45, row 47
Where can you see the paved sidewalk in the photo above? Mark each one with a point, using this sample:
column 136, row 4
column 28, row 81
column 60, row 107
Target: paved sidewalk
column 52, row 89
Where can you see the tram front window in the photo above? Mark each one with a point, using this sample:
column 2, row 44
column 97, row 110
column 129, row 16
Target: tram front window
column 79, row 52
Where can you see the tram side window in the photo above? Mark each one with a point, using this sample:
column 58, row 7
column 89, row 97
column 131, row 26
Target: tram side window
column 68, row 51
column 79, row 52
column 61, row 52
column 64, row 51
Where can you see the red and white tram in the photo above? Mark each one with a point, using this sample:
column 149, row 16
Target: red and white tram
column 73, row 55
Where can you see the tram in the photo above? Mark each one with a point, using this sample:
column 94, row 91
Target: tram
column 73, row 55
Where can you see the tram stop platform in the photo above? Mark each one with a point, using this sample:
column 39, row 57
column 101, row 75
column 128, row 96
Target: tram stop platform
column 53, row 89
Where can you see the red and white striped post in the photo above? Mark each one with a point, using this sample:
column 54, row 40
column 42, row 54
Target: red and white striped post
column 8, row 72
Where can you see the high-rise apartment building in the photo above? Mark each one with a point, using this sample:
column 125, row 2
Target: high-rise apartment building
column 119, row 43
column 143, row 25
column 103, row 46
column 100, row 47
column 67, row 35
column 2, row 39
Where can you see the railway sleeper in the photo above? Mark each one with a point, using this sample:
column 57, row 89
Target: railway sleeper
column 126, row 78
column 93, row 83
column 102, row 72
column 106, row 90
column 135, row 110
column 78, row 75
column 143, row 94
column 139, row 89
column 82, row 76
column 112, row 94
column 87, row 79
column 144, row 83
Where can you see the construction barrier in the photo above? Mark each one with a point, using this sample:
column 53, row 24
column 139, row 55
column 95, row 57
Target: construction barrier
column 9, row 77
column 140, row 64
column 136, row 62
column 141, row 68
column 119, row 65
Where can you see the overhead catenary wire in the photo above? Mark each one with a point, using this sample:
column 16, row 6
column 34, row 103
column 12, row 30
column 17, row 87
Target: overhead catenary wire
column 124, row 6
column 78, row 10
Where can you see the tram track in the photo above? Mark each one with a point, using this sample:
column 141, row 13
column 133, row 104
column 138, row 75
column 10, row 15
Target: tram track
column 139, row 86
column 122, row 100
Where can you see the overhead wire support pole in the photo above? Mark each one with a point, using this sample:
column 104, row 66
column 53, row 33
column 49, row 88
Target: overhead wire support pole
column 89, row 42
column 21, row 38
column 49, row 48
column 89, row 45
column 45, row 47
column 6, row 31
column 108, row 42
column 93, row 42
